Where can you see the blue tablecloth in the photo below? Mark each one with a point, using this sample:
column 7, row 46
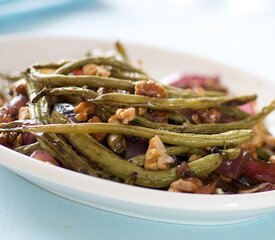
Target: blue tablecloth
column 240, row 36
column 28, row 212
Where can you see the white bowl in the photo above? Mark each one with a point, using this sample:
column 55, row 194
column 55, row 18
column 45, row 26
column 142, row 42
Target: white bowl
column 19, row 52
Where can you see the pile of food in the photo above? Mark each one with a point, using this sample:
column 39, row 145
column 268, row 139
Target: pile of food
column 104, row 117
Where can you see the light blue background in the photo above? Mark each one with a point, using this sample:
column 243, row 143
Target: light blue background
column 28, row 212
column 239, row 36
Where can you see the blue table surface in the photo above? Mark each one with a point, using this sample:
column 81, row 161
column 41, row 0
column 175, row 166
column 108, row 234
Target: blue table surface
column 28, row 212
column 239, row 33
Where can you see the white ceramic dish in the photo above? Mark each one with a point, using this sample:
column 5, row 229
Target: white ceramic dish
column 17, row 53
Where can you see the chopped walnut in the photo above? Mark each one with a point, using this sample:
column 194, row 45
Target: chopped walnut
column 18, row 141
column 150, row 88
column 206, row 116
column 156, row 157
column 156, row 116
column 189, row 185
column 272, row 159
column 97, row 136
column 142, row 111
column 3, row 139
column 196, row 118
column 269, row 140
column 24, row 113
column 95, row 70
column 7, row 138
column 259, row 135
column 83, row 110
column 200, row 91
column 123, row 116
column 2, row 100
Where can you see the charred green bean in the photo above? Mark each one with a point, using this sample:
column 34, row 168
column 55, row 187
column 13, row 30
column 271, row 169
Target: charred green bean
column 130, row 100
column 185, row 139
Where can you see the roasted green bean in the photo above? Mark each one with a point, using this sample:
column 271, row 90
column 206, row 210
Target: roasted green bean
column 203, row 166
column 28, row 149
column 175, row 150
column 109, row 61
column 210, row 128
column 189, row 140
column 85, row 80
column 80, row 92
column 69, row 158
column 130, row 100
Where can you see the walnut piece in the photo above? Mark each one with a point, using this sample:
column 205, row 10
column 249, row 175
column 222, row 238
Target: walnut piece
column 123, row 116
column 150, row 88
column 189, row 185
column 156, row 116
column 95, row 70
column 269, row 140
column 8, row 138
column 206, row 116
column 83, row 110
column 156, row 157
column 97, row 136
column 18, row 141
column 259, row 135
column 272, row 159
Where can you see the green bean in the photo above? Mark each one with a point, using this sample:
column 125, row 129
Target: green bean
column 177, row 117
column 117, row 166
column 28, row 149
column 178, row 150
column 210, row 128
column 83, row 80
column 264, row 153
column 69, row 158
column 65, row 154
column 185, row 139
column 130, row 100
column 14, row 124
column 109, row 61
column 39, row 113
column 115, row 83
column 204, row 166
column 112, row 163
column 54, row 65
column 231, row 153
column 174, row 92
column 90, row 94
column 122, row 51
column 72, row 91
column 237, row 113
column 132, row 76
column 174, row 150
